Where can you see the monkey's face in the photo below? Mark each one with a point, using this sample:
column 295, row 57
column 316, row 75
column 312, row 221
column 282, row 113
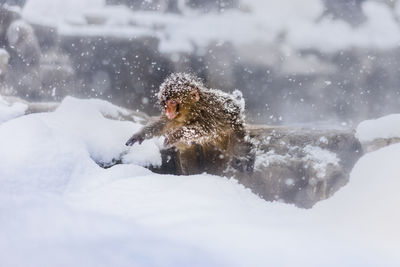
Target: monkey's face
column 172, row 109
column 178, row 107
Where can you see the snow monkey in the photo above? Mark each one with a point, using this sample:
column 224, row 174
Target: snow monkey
column 206, row 127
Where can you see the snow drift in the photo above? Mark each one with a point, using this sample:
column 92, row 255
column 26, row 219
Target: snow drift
column 59, row 208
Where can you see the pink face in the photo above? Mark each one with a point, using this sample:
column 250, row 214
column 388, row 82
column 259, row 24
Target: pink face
column 172, row 109
column 176, row 106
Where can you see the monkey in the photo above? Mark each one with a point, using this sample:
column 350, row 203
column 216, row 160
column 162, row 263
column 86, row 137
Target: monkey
column 25, row 59
column 7, row 15
column 4, row 57
column 205, row 126
column 23, row 43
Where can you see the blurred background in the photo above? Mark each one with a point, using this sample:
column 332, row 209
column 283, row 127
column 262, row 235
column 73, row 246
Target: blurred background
column 330, row 62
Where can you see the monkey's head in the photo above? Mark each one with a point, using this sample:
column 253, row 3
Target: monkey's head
column 178, row 94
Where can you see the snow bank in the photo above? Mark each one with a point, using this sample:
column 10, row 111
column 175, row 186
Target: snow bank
column 59, row 208
column 384, row 127
column 45, row 232
column 61, row 147
column 368, row 204
column 265, row 21
column 9, row 111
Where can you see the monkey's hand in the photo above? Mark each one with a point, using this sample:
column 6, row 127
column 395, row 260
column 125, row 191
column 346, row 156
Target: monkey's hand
column 135, row 138
column 152, row 129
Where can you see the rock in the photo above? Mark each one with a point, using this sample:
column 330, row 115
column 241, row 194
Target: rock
column 47, row 36
column 19, row 3
column 129, row 73
column 347, row 10
column 300, row 166
column 292, row 165
column 173, row 6
column 220, row 71
column 379, row 143
column 211, row 5
column 154, row 5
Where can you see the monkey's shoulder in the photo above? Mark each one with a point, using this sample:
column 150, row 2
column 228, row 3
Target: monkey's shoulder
column 224, row 103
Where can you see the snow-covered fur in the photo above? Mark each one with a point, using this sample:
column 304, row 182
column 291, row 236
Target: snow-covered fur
column 216, row 112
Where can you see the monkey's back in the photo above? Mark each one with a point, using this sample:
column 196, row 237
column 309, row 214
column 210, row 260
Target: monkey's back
column 216, row 118
column 224, row 111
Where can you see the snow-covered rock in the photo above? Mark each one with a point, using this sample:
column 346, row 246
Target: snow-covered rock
column 300, row 165
column 265, row 21
column 378, row 133
column 384, row 127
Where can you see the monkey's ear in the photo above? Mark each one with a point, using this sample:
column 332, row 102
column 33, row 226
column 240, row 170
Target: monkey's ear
column 195, row 95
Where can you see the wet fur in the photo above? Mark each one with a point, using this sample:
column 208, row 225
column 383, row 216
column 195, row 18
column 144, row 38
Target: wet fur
column 208, row 130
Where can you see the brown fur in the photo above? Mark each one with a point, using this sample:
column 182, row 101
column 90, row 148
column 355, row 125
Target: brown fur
column 208, row 127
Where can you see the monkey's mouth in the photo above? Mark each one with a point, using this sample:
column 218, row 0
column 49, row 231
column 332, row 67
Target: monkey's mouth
column 172, row 112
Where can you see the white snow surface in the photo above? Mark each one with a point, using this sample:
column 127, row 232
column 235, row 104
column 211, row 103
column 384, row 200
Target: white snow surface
column 9, row 111
column 59, row 208
column 258, row 21
column 384, row 127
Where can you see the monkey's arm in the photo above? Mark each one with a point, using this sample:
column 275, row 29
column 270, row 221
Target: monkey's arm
column 151, row 130
column 194, row 133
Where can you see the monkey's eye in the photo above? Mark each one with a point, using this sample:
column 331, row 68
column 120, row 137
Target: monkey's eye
column 173, row 102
